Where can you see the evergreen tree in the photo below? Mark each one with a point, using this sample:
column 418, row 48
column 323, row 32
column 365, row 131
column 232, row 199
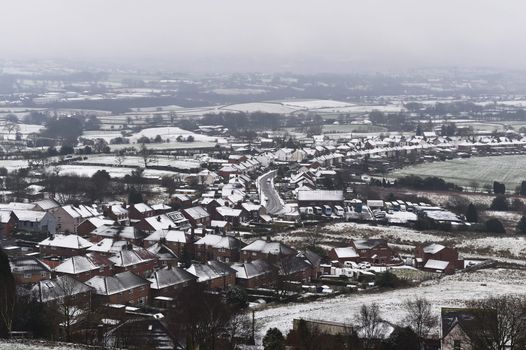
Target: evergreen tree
column 7, row 296
column 521, row 226
column 134, row 196
column 522, row 190
column 500, row 203
column 472, row 214
column 274, row 340
column 499, row 188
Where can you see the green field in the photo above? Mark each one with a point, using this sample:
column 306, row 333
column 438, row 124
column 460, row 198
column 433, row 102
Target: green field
column 508, row 169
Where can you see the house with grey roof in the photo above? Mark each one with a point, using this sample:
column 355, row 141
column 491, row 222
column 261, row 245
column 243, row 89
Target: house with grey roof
column 214, row 274
column 121, row 288
column 253, row 274
column 166, row 281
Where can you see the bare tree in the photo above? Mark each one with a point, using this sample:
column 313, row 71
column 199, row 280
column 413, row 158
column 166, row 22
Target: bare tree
column 419, row 317
column 370, row 324
column 499, row 323
column 474, row 185
column 239, row 329
column 147, row 155
column 70, row 299
column 120, row 157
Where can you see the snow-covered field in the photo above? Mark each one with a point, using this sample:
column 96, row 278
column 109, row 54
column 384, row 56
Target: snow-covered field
column 22, row 129
column 115, row 172
column 13, row 164
column 133, row 161
column 508, row 169
column 36, row 345
column 316, row 104
column 166, row 145
column 339, row 234
column 450, row 291
column 268, row 107
column 172, row 133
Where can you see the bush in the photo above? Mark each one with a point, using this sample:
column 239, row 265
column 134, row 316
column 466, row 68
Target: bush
column 521, row 226
column 428, row 183
column 387, row 280
column 500, row 203
column 495, row 226
column 472, row 214
column 274, row 340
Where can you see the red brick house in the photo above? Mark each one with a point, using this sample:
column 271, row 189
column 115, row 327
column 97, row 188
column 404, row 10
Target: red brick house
column 89, row 225
column 217, row 247
column 161, row 208
column 214, row 274
column 181, row 201
column 169, row 221
column 166, row 281
column 63, row 289
column 140, row 211
column 267, row 250
column 117, row 213
column 374, row 251
column 29, row 270
column 344, row 254
column 122, row 288
column 134, row 259
column 437, row 253
column 254, row 274
column 117, row 233
column 314, row 260
column 294, row 268
column 232, row 216
column 166, row 257
column 176, row 240
column 197, row 216
column 84, row 267
column 64, row 245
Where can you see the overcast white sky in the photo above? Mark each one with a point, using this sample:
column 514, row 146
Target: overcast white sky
column 384, row 33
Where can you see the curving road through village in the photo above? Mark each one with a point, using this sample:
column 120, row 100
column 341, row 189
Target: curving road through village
column 273, row 202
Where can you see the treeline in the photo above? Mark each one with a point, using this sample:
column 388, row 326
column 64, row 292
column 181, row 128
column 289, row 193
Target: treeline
column 431, row 183
column 244, row 121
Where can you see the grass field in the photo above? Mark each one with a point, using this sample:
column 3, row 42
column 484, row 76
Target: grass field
column 508, row 169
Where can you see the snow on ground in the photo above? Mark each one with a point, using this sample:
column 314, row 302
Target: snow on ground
column 515, row 246
column 22, row 129
column 133, row 161
column 100, row 134
column 268, row 107
column 504, row 215
column 316, row 104
column 442, row 198
column 13, row 164
column 450, row 291
column 115, row 172
column 394, row 108
column 171, row 133
column 339, row 234
column 232, row 91
column 36, row 345
column 165, row 146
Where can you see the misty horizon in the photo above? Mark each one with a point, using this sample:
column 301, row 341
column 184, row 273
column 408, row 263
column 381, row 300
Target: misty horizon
column 302, row 36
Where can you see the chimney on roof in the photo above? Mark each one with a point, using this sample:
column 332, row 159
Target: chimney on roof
column 159, row 218
column 268, row 239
